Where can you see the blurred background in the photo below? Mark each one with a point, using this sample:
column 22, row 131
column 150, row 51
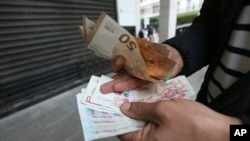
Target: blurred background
column 44, row 61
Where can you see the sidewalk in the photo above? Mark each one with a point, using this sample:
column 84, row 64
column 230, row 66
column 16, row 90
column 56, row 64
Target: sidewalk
column 56, row 119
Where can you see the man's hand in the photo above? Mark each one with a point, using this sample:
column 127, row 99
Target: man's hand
column 123, row 81
column 177, row 120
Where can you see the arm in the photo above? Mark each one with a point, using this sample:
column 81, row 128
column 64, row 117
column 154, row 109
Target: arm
column 197, row 43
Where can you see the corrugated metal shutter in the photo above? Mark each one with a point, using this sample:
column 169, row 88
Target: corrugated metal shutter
column 42, row 52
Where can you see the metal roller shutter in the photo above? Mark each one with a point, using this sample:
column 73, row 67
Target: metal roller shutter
column 42, row 52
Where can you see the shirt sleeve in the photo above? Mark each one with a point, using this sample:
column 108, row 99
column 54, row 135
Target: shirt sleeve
column 196, row 43
column 245, row 119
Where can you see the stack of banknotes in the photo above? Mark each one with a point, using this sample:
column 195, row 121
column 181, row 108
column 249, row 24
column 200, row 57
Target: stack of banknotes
column 107, row 39
column 100, row 114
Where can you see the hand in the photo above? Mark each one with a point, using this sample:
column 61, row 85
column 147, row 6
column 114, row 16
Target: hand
column 123, row 81
column 177, row 120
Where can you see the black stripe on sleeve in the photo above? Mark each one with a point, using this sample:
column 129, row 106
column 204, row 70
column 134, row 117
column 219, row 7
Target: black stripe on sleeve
column 230, row 71
column 217, row 83
column 245, row 27
column 239, row 51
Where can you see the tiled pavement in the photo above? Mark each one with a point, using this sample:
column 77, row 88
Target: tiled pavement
column 56, row 119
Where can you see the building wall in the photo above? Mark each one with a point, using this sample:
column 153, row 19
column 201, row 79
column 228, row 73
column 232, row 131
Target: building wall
column 151, row 8
column 128, row 15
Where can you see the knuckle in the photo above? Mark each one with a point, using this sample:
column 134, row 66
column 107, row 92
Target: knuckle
column 161, row 107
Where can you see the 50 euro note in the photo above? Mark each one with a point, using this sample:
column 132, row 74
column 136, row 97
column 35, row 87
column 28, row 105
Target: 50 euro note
column 145, row 60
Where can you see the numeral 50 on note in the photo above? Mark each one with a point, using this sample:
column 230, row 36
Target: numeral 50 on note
column 124, row 38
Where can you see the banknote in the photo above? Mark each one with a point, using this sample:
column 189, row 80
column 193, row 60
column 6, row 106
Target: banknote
column 95, row 98
column 151, row 92
column 99, row 123
column 144, row 59
column 88, row 27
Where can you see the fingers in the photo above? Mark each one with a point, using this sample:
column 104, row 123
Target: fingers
column 142, row 111
column 140, row 134
column 176, row 56
column 128, row 82
column 121, row 82
column 132, row 136
column 117, row 63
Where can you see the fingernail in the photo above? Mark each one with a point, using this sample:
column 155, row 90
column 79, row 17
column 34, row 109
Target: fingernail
column 118, row 61
column 125, row 106
column 104, row 88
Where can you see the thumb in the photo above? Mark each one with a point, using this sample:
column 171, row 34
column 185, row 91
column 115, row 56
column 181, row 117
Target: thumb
column 141, row 111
